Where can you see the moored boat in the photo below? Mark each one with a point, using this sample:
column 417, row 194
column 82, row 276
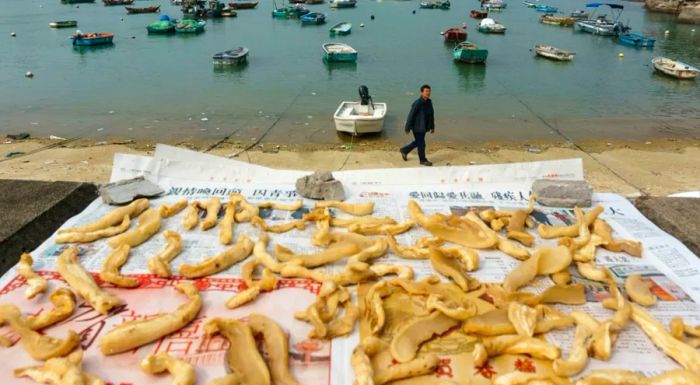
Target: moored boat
column 77, row 1
column 675, row 68
column 636, row 40
column 291, row 11
column 190, row 26
column 243, row 4
column 560, row 21
column 314, row 1
column 455, row 34
column 162, row 26
column 313, row 18
column 435, row 4
column 554, row 53
column 342, row 3
column 343, row 28
column 339, row 52
column 530, row 4
column 355, row 118
column 494, row 5
column 546, row 8
column 238, row 55
column 478, row 14
column 468, row 52
column 150, row 9
column 92, row 38
column 601, row 25
column 489, row 25
column 63, row 24
column 579, row 14
column 118, row 2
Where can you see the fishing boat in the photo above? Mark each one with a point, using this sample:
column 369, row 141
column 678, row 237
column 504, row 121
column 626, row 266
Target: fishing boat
column 361, row 117
column 117, row 2
column 291, row 11
column 238, row 55
column 435, row 4
column 489, row 25
column 190, row 26
column 478, row 14
column 530, row 4
column 151, row 9
column 455, row 34
column 339, row 52
column 162, row 26
column 92, row 38
column 468, row 52
column 342, row 3
column 560, row 21
column 636, row 40
column 580, row 14
column 228, row 12
column 313, row 18
column 553, row 53
column 243, row 4
column 494, row 5
column 314, row 1
column 546, row 8
column 63, row 24
column 601, row 25
column 343, row 28
column 674, row 68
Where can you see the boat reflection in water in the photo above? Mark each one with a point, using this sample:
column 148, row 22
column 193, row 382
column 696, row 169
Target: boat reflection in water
column 470, row 77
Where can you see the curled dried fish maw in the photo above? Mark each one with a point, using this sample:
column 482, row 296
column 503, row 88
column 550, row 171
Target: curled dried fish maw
column 91, row 236
column 242, row 355
column 561, row 277
column 133, row 334
column 450, row 268
column 360, row 360
column 547, row 232
column 578, row 356
column 281, row 228
column 37, row 284
column 467, row 258
column 341, row 326
column 545, row 260
column 345, row 222
column 515, row 344
column 516, row 227
column 182, row 371
column 358, row 209
column 262, row 256
column 159, row 264
column 60, row 371
column 574, row 294
column 63, row 301
column 248, row 211
column 603, row 229
column 626, row 377
column 602, row 340
column 513, row 249
column 492, row 323
column 408, row 252
column 473, row 232
column 322, row 235
column 334, row 253
column 227, row 223
column 590, row 271
column 374, row 307
column 212, row 206
column 377, row 250
column 479, row 355
column 417, row 367
column 588, row 251
column 379, row 229
column 276, row 348
column 227, row 258
column 191, row 218
column 499, row 223
column 416, row 331
column 584, row 235
column 639, row 291
column 167, row 211
column 266, row 283
column 382, row 269
column 451, row 308
column 427, row 242
column 110, row 268
column 282, row 206
column 112, row 218
column 149, row 224
column 82, row 282
column 523, row 318
column 522, row 274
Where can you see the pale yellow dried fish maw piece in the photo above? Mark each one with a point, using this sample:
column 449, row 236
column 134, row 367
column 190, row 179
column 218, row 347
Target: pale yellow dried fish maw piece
column 617, row 302
column 499, row 223
column 267, row 282
column 191, row 218
column 375, row 229
column 626, row 377
column 561, row 277
column 110, row 268
column 382, row 269
column 515, row 344
column 545, row 260
column 584, row 235
column 603, row 229
column 358, row 209
column 360, row 359
column 474, row 234
column 574, row 294
column 292, row 270
column 492, row 323
column 590, row 271
column 515, row 250
column 167, row 211
column 262, row 256
column 516, row 227
column 334, row 253
column 149, row 224
column 588, row 251
column 409, row 336
column 276, row 344
column 227, row 258
column 227, row 222
column 60, row 371
column 279, row 229
column 182, row 371
column 450, row 268
column 677, row 328
column 242, row 356
column 212, row 206
column 113, row 218
column 602, row 340
column 346, row 222
column 450, row 308
column 407, row 252
column 467, row 258
column 427, row 242
column 479, row 355
column 82, row 282
column 361, row 241
column 63, row 301
column 248, row 211
column 547, row 231
column 159, row 264
column 550, row 318
column 578, row 355
column 133, row 334
column 91, row 236
column 282, row 206
column 341, row 326
column 36, row 283
column 523, row 318
column 374, row 305
column 522, row 378
column 522, row 274
column 585, row 319
column 322, row 236
column 416, row 367
column 378, row 249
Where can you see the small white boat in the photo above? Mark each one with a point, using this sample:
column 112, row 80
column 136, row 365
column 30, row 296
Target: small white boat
column 554, row 53
column 356, row 119
column 674, row 68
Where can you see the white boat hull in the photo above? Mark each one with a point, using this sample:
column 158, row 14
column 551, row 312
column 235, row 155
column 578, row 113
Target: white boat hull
column 603, row 30
column 352, row 118
column 674, row 68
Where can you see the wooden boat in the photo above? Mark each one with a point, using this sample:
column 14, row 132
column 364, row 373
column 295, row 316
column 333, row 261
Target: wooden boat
column 92, row 38
column 343, row 28
column 162, row 26
column 636, row 40
column 435, row 4
column 238, row 55
column 491, row 26
column 313, row 18
column 455, row 34
column 151, row 9
column 190, row 26
column 355, row 118
column 546, row 8
column 339, row 52
column 674, row 68
column 63, row 24
column 478, row 14
column 553, row 53
column 243, row 4
column 468, row 52
column 561, row 21
column 530, row 4
column 118, row 2
column 342, row 3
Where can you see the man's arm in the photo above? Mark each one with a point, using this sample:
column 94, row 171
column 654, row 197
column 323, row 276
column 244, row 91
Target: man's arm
column 411, row 117
column 431, row 119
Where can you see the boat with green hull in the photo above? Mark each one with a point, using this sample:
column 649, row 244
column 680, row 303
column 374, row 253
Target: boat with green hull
column 343, row 28
column 339, row 52
column 63, row 24
column 190, row 26
column 162, row 26
column 468, row 52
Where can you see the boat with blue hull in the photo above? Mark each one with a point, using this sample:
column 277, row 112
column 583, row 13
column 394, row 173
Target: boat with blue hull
column 313, row 18
column 636, row 40
column 92, row 38
column 546, row 8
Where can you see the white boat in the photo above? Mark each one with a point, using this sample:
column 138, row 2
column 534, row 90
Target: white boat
column 675, row 68
column 554, row 53
column 601, row 25
column 342, row 3
column 356, row 119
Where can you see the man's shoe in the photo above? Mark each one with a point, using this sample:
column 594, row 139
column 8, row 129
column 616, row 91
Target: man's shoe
column 404, row 156
column 426, row 163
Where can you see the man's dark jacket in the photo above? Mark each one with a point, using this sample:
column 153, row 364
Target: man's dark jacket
column 420, row 118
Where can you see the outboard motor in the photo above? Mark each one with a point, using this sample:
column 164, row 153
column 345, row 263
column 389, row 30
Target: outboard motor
column 365, row 99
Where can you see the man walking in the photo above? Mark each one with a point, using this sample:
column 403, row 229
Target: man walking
column 420, row 120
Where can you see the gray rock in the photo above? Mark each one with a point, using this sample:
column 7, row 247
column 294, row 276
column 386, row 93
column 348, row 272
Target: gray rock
column 125, row 191
column 320, row 185
column 562, row 193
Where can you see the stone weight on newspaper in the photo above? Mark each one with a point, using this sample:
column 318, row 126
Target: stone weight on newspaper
column 320, row 185
column 562, row 193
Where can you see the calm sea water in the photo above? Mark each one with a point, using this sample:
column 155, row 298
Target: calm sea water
column 165, row 87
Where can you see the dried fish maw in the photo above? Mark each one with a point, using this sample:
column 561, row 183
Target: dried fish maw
column 617, row 302
column 63, row 301
column 376, row 229
column 276, row 344
column 561, row 277
column 408, row 252
column 167, row 211
column 266, row 283
column 491, row 323
column 334, row 253
column 374, row 307
column 416, row 331
column 382, row 269
column 513, row 249
column 377, row 250
column 585, row 319
column 479, row 355
column 522, row 378
column 451, row 308
column 227, row 223
column 417, row 367
column 341, row 326
column 60, row 371
column 474, row 233
column 159, row 264
column 427, row 242
column 590, row 271
column 467, row 258
column 523, row 318
column 578, row 355
column 584, row 235
column 361, row 241
column 212, row 206
column 36, row 283
column 282, row 206
column 677, row 328
column 602, row 340
column 227, row 258
column 110, row 268
column 522, row 274
column 91, row 236
column 515, row 344
column 248, row 211
column 191, row 218
column 552, row 259
column 603, row 229
column 588, row 251
column 322, row 235
column 242, row 356
column 346, row 222
column 499, row 223
column 574, row 294
column 133, row 334
column 549, row 318
column 291, row 270
column 112, row 218
column 262, row 256
column 547, row 232
column 182, row 371
column 149, row 224
column 358, row 209
column 450, row 268
column 516, row 227
column 626, row 377
column 82, row 282
column 360, row 360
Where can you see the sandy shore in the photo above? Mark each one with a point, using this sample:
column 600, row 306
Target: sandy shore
column 660, row 167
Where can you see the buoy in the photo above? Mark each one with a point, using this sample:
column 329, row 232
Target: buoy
column 621, row 55
column 29, row 74
column 362, row 25
column 464, row 25
column 133, row 37
column 414, row 11
column 372, row 18
column 692, row 30
column 667, row 32
column 13, row 34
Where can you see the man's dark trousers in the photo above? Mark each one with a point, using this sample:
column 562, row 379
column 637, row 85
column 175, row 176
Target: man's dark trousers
column 419, row 143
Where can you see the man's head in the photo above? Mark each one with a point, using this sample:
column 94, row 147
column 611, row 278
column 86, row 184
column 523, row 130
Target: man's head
column 425, row 91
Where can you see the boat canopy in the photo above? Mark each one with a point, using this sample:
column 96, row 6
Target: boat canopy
column 596, row 5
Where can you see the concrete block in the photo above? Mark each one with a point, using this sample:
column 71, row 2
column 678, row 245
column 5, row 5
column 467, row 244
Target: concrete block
column 320, row 185
column 562, row 193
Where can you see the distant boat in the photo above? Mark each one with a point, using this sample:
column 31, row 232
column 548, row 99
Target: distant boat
column 530, row 4
column 339, row 52
column 455, row 34
column 495, row 5
column 76, row 1
column 553, row 53
column 579, row 14
column 468, row 52
column 190, row 26
column 296, row 1
column 636, row 40
column 343, row 28
column 491, row 26
column 560, row 21
column 355, row 118
column 601, row 25
column 674, row 68
column 478, row 14
column 151, row 9
column 162, row 26
column 291, row 11
column 118, row 2
column 435, row 4
column 342, row 3
column 314, row 1
column 243, row 4
column 63, row 24
column 237, row 55
column 546, row 8
column 313, row 18
column 92, row 38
